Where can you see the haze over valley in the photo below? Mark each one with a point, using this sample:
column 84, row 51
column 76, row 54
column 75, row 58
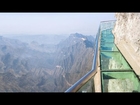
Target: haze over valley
column 40, row 63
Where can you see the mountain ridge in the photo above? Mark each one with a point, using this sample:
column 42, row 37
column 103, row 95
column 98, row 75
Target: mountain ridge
column 32, row 69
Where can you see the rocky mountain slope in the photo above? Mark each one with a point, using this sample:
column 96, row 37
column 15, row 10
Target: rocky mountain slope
column 34, row 67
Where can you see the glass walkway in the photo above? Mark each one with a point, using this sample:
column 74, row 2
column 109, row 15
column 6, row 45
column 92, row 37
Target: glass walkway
column 115, row 73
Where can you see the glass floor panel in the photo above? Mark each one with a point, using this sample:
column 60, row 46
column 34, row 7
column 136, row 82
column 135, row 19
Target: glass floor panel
column 107, row 31
column 120, row 82
column 108, row 47
column 107, row 35
column 113, row 61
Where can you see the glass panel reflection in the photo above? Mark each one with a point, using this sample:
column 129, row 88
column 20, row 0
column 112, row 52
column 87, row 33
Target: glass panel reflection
column 88, row 86
column 120, row 82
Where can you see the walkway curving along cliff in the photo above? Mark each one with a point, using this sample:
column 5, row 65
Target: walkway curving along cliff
column 110, row 72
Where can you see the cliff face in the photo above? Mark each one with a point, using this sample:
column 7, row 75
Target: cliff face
column 127, row 37
column 127, row 28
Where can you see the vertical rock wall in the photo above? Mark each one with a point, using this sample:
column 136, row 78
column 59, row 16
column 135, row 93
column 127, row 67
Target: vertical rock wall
column 127, row 38
column 127, row 28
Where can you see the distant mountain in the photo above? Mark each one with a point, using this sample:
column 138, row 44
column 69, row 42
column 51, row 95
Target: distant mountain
column 11, row 42
column 74, row 59
column 75, row 38
column 34, row 67
column 40, row 39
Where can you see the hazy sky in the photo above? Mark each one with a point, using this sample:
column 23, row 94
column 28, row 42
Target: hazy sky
column 52, row 23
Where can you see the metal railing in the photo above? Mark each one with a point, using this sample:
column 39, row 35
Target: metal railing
column 81, row 82
column 75, row 87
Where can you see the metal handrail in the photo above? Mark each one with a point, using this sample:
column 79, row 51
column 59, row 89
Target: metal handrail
column 107, row 21
column 92, row 72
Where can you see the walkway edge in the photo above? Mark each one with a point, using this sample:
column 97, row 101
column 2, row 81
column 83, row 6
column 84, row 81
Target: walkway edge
column 129, row 53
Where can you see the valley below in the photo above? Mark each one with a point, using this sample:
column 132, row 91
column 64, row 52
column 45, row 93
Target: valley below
column 40, row 63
